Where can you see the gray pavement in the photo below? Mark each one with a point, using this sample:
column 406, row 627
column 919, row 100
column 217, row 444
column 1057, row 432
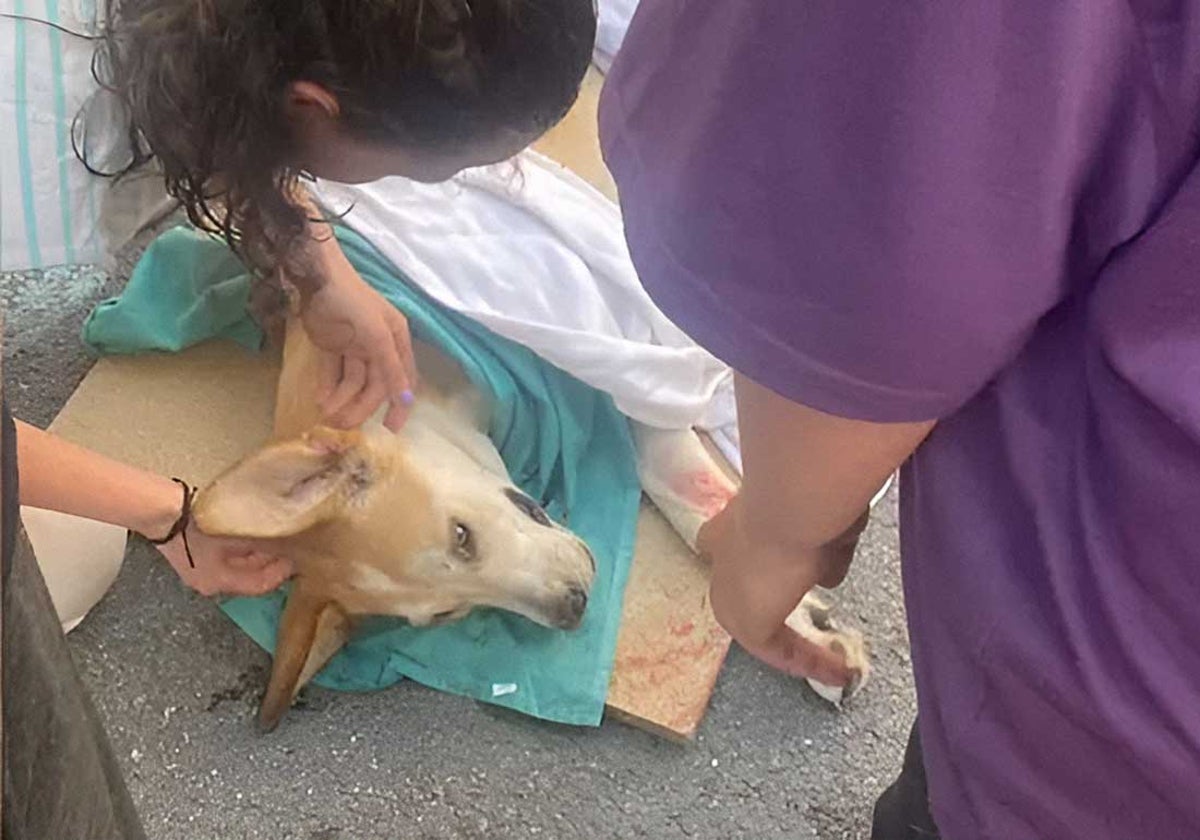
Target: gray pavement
column 177, row 685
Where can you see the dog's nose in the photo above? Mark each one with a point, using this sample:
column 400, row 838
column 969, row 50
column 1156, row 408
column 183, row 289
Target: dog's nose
column 577, row 599
column 572, row 608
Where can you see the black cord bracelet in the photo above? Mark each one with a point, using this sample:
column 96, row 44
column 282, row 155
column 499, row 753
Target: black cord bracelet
column 181, row 524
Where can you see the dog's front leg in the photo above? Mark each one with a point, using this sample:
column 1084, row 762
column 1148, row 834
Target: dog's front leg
column 681, row 478
column 689, row 488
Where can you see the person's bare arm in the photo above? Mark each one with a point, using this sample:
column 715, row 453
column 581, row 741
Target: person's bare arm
column 808, row 478
column 55, row 474
column 58, row 475
column 366, row 351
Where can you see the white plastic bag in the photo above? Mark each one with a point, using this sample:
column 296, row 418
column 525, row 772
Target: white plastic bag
column 52, row 210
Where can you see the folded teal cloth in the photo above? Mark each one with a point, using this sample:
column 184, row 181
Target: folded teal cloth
column 565, row 444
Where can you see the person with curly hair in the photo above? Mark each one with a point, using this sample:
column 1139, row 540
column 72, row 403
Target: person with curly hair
column 235, row 103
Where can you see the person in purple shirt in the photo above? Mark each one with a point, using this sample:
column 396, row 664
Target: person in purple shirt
column 965, row 238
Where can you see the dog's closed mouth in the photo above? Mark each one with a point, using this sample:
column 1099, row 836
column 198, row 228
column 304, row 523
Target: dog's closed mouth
column 446, row 616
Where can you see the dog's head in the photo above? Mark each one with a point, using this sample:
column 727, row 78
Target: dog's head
column 415, row 525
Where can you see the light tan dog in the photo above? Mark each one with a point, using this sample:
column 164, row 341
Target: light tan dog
column 426, row 524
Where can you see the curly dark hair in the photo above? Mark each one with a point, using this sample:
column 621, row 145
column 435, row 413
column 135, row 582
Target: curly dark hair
column 203, row 83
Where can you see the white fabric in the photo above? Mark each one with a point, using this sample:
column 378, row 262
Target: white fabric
column 538, row 256
column 611, row 24
column 79, row 560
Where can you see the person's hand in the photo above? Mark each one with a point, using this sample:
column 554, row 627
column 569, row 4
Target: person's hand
column 226, row 566
column 366, row 351
column 754, row 589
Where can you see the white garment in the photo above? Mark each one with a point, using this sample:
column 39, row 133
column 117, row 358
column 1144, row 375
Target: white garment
column 538, row 256
column 611, row 24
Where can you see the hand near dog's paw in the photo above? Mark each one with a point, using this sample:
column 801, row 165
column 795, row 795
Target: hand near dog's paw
column 749, row 609
column 755, row 590
column 366, row 351
column 225, row 566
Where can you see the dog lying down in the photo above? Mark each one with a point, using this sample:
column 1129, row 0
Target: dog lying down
column 426, row 524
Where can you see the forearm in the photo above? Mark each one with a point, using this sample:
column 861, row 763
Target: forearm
column 58, row 475
column 808, row 476
column 323, row 255
column 790, row 565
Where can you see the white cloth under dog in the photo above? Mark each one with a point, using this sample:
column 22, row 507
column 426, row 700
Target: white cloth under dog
column 538, row 256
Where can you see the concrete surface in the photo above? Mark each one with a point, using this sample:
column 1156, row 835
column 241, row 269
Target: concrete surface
column 177, row 684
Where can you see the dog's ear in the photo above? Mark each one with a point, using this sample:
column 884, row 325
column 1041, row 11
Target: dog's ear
column 311, row 631
column 283, row 488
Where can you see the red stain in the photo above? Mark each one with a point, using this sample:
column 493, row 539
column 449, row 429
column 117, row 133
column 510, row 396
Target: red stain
column 673, row 661
column 684, row 629
column 705, row 491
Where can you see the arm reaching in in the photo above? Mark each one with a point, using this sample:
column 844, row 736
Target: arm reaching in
column 58, row 475
column 808, row 482
column 366, row 351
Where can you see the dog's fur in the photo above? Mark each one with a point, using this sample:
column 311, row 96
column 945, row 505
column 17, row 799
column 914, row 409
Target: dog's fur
column 426, row 524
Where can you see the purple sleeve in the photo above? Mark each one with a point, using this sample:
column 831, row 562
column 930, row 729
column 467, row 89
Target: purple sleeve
column 867, row 206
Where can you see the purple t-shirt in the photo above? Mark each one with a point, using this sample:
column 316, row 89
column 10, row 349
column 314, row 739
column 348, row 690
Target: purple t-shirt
column 986, row 213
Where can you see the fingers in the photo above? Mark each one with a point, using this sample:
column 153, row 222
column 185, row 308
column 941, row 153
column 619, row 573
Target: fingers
column 227, row 567
column 402, row 400
column 403, row 342
column 395, row 358
column 354, row 376
column 363, row 405
column 249, row 581
column 752, row 597
column 788, row 651
column 800, row 657
column 397, row 414
column 252, row 561
column 329, row 374
column 267, row 579
column 363, row 385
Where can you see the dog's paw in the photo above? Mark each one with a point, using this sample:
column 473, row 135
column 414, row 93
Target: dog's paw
column 814, row 621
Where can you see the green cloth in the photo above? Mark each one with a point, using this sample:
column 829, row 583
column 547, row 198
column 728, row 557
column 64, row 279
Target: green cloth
column 564, row 443
column 186, row 289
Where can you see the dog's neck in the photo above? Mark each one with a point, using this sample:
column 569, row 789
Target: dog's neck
column 432, row 428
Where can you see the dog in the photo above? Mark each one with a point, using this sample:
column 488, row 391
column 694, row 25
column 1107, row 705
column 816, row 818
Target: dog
column 426, row 524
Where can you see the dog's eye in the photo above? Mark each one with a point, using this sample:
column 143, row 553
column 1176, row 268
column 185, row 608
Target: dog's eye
column 464, row 541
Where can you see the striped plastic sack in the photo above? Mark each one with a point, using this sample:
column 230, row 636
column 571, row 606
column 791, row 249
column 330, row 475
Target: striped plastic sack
column 53, row 211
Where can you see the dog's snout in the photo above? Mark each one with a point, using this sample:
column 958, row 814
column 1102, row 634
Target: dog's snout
column 527, row 506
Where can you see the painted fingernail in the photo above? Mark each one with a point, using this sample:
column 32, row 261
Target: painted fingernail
column 406, row 397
